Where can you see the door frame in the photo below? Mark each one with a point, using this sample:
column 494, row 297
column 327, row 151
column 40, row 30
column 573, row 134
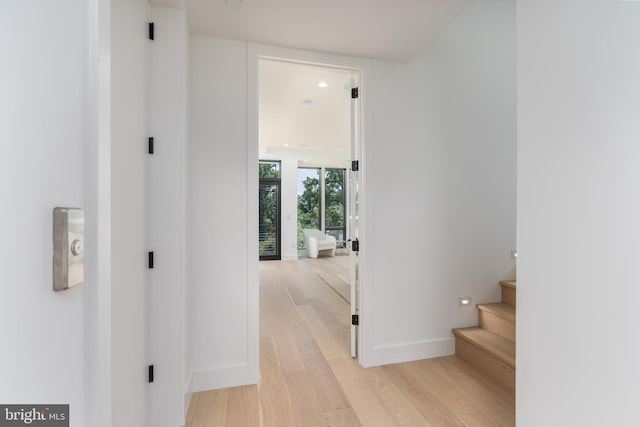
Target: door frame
column 255, row 52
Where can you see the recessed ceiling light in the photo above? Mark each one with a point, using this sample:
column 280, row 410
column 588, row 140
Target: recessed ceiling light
column 323, row 84
column 234, row 4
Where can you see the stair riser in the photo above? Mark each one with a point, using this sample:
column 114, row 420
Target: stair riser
column 502, row 373
column 509, row 296
column 499, row 326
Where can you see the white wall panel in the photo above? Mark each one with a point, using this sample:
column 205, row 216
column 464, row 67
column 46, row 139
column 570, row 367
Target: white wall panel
column 578, row 210
column 443, row 184
column 43, row 58
column 218, row 213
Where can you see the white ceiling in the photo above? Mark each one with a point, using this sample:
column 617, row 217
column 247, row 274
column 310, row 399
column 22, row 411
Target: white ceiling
column 394, row 30
column 317, row 132
column 298, row 120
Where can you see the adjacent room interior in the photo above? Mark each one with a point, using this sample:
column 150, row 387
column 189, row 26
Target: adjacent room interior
column 305, row 150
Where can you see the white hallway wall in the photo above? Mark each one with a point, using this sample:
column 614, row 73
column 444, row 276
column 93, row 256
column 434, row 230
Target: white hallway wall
column 441, row 165
column 43, row 58
column 578, row 210
column 218, row 215
column 74, row 94
column 443, row 182
column 57, row 112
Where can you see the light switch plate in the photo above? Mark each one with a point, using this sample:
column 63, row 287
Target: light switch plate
column 68, row 248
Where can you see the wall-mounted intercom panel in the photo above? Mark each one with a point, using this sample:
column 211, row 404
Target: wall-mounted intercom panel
column 68, row 248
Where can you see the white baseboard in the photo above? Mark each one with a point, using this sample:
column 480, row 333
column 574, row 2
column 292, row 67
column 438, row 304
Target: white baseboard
column 232, row 376
column 289, row 257
column 399, row 353
column 188, row 393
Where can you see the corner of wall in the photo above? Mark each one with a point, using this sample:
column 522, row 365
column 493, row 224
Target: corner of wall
column 390, row 354
column 188, row 394
column 212, row 379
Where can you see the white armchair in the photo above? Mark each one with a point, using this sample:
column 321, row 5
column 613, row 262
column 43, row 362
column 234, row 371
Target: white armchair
column 318, row 241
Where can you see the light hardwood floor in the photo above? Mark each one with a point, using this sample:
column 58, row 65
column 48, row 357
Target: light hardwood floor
column 307, row 378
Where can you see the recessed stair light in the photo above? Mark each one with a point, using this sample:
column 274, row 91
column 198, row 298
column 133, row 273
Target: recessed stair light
column 464, row 300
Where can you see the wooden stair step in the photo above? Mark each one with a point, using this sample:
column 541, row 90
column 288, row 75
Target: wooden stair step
column 489, row 353
column 498, row 318
column 499, row 347
column 502, row 310
column 508, row 283
column 508, row 292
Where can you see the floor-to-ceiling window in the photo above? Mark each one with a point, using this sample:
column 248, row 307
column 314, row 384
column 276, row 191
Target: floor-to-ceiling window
column 269, row 210
column 322, row 202
column 335, row 203
column 308, row 202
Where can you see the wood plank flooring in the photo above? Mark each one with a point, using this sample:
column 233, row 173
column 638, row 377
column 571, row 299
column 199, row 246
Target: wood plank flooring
column 307, row 378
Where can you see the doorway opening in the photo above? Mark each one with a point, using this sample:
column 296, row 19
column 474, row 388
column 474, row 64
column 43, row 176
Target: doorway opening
column 309, row 122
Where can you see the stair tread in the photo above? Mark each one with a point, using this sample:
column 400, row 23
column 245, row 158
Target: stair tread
column 499, row 347
column 500, row 309
column 508, row 283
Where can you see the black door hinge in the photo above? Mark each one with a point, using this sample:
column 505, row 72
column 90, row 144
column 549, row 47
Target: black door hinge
column 150, row 145
column 150, row 373
column 355, row 319
column 355, row 245
column 354, row 93
column 355, row 165
column 151, row 30
column 150, row 259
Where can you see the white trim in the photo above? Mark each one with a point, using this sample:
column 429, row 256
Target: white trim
column 97, row 187
column 386, row 355
column 364, row 67
column 213, row 379
column 188, row 394
column 253, row 155
column 365, row 328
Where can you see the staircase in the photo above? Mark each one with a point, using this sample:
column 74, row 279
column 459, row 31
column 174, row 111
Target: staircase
column 491, row 346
